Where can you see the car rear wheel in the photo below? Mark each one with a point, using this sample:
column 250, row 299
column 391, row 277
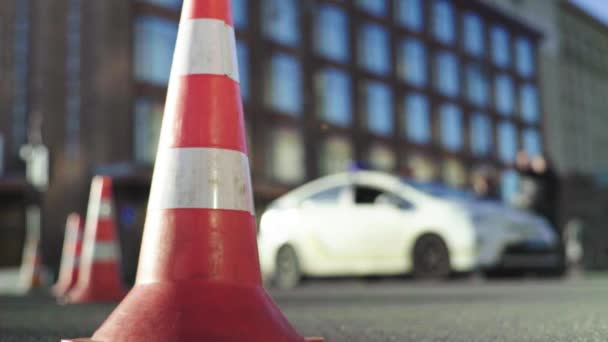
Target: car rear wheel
column 287, row 275
column 431, row 258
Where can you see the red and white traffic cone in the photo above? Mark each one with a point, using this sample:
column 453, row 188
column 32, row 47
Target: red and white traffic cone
column 99, row 278
column 199, row 276
column 70, row 257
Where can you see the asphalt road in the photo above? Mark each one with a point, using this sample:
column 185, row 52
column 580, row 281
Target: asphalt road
column 574, row 309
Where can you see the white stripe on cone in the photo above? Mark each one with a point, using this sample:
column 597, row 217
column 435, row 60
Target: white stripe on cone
column 205, row 46
column 105, row 251
column 209, row 178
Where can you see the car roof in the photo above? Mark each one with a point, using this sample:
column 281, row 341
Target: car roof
column 360, row 177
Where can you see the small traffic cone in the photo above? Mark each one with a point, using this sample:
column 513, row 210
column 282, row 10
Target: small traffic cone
column 99, row 277
column 70, row 258
column 31, row 275
column 199, row 277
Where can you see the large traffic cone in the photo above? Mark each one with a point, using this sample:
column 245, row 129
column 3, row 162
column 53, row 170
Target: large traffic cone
column 99, row 278
column 199, row 276
column 70, row 257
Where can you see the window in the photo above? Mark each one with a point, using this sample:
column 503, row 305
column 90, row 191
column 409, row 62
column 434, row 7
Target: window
column 373, row 49
column 335, row 156
column 378, row 108
column 148, row 118
column 411, row 65
column 500, row 46
column 417, row 119
column 509, row 185
column 446, row 74
column 331, row 33
column 505, row 102
column 409, row 14
column 477, row 85
column 532, row 142
column 454, row 173
column 175, row 4
column 451, row 127
column 473, row 34
column 242, row 51
column 240, row 8
column 281, row 21
column 334, row 96
column 481, row 134
column 525, row 56
column 329, row 196
column 376, row 7
column 381, row 158
column 287, row 153
column 529, row 103
column 507, row 142
column 154, row 45
column 420, row 167
column 443, row 21
column 283, row 84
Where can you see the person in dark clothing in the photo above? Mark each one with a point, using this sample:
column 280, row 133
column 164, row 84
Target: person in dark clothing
column 485, row 184
column 547, row 199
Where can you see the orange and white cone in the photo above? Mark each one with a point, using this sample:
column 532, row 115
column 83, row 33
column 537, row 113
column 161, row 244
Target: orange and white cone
column 70, row 258
column 31, row 275
column 99, row 278
column 199, row 277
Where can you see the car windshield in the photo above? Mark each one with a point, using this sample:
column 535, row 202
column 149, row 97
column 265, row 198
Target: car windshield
column 440, row 191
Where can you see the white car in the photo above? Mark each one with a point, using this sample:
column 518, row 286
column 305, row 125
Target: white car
column 509, row 239
column 364, row 223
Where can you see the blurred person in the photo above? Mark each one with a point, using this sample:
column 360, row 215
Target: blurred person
column 527, row 189
column 485, row 185
column 547, row 183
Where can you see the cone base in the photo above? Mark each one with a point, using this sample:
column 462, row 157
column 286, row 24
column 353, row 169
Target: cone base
column 196, row 311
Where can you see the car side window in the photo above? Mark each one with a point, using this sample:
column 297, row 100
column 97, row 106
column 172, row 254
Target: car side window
column 369, row 195
column 329, row 196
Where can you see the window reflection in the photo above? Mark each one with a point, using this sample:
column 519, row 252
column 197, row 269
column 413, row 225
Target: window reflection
column 287, row 151
column 525, row 57
column 532, row 142
column 417, row 119
column 376, row 7
column 504, row 95
column 333, row 93
column 477, row 85
column 283, row 84
column 529, row 103
column 446, row 74
column 331, row 33
column 153, row 52
column 412, row 62
column 242, row 52
column 378, row 108
column 443, row 21
column 451, row 127
column 335, row 156
column 473, row 34
column 500, row 46
column 240, row 8
column 481, row 134
column 507, row 141
column 281, row 21
column 409, row 13
column 381, row 158
column 374, row 50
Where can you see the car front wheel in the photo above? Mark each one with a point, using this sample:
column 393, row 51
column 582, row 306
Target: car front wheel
column 431, row 258
column 287, row 275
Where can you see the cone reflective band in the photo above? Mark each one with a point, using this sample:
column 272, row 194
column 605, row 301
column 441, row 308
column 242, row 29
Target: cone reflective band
column 70, row 258
column 198, row 277
column 99, row 278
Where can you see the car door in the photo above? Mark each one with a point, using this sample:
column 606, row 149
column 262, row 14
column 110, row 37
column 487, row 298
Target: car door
column 325, row 217
column 382, row 221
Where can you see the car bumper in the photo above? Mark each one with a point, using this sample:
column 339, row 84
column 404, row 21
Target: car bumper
column 529, row 255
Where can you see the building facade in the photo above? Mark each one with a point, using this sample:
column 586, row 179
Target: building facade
column 426, row 89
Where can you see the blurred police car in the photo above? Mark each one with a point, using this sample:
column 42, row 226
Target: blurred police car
column 509, row 239
column 364, row 223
